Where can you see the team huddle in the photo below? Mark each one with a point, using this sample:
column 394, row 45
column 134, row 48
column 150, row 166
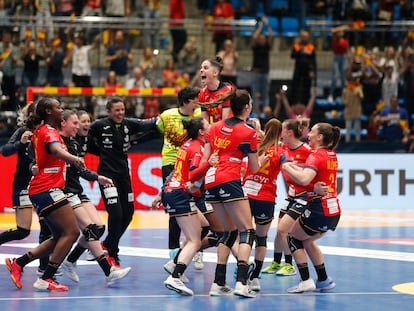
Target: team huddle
column 219, row 171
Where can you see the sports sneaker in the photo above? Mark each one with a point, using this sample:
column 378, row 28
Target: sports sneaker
column 71, row 270
column 116, row 275
column 90, row 257
column 198, row 261
column 169, row 268
column 217, row 290
column 252, row 266
column 113, row 261
column 244, row 290
column 178, row 286
column 15, row 272
column 322, row 286
column 50, row 285
column 272, row 268
column 254, row 284
column 303, row 286
column 287, row 269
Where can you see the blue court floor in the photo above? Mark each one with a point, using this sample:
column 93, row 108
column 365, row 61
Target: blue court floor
column 370, row 256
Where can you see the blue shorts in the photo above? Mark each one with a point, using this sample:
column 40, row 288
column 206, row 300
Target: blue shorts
column 21, row 199
column 84, row 198
column 74, row 200
column 205, row 208
column 178, row 203
column 293, row 207
column 48, row 201
column 224, row 193
column 314, row 221
column 262, row 211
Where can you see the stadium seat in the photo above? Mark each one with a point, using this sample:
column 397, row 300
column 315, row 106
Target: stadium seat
column 274, row 24
column 248, row 25
column 290, row 27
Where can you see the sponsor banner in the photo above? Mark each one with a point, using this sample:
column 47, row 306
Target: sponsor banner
column 376, row 181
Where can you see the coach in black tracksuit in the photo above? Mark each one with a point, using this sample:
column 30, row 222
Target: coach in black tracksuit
column 110, row 139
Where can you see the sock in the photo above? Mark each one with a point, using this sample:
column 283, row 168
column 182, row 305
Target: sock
column 277, row 257
column 25, row 259
column 303, row 271
column 50, row 270
column 179, row 270
column 242, row 271
column 321, row 272
column 257, row 269
column 220, row 275
column 288, row 259
column 104, row 264
column 76, row 253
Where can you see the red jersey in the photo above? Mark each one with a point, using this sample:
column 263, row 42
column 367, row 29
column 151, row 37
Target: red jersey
column 231, row 139
column 262, row 184
column 340, row 46
column 205, row 96
column 325, row 163
column 188, row 158
column 51, row 169
column 298, row 155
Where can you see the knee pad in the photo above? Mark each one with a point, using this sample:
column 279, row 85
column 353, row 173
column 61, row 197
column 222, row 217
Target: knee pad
column 101, row 230
column 214, row 238
column 261, row 241
column 294, row 244
column 247, row 236
column 229, row 238
column 204, row 231
column 20, row 233
column 91, row 233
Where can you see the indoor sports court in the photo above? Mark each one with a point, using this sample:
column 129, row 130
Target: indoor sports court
column 370, row 256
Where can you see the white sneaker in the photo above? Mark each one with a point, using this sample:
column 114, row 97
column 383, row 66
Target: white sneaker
column 178, row 286
column 169, row 268
column 198, row 261
column 303, row 286
column 116, row 274
column 254, row 284
column 244, row 290
column 71, row 270
column 217, row 290
column 89, row 256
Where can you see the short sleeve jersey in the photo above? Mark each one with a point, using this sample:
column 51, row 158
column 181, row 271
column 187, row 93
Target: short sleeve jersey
column 51, row 169
column 206, row 96
column 171, row 120
column 231, row 139
column 325, row 163
column 189, row 157
column 298, row 155
column 262, row 184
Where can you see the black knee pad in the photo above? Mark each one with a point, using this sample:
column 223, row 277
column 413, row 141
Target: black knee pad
column 261, row 241
column 214, row 239
column 229, row 238
column 294, row 244
column 247, row 236
column 101, row 230
column 204, row 231
column 20, row 233
column 91, row 233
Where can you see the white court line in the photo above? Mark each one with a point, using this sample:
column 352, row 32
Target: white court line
column 294, row 296
column 211, row 256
